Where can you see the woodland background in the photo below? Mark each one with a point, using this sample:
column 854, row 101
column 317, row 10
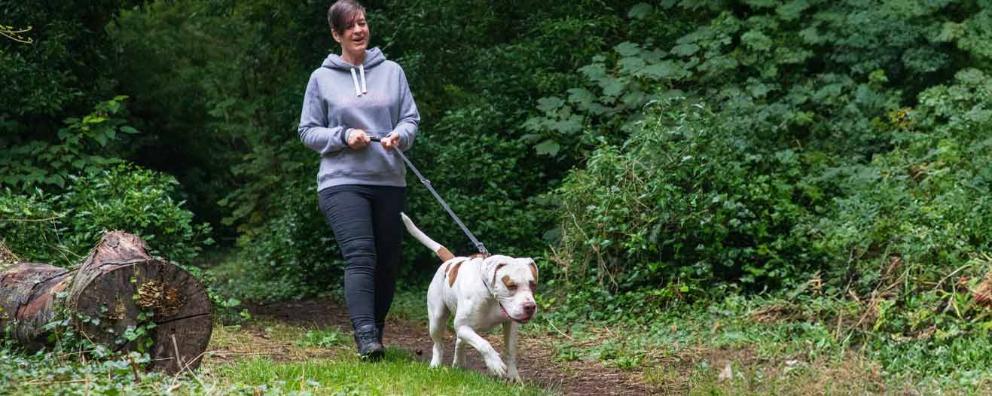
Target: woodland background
column 817, row 162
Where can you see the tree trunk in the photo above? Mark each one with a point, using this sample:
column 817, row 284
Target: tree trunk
column 117, row 285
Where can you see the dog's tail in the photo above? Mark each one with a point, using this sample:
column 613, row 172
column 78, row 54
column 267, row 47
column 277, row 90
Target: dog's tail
column 442, row 252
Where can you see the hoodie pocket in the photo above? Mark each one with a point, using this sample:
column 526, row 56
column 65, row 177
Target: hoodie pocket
column 373, row 160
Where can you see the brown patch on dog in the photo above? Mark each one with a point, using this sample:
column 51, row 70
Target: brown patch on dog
column 494, row 273
column 453, row 274
column 444, row 254
column 533, row 271
column 508, row 282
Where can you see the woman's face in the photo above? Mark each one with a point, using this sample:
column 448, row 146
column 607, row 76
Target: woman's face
column 355, row 37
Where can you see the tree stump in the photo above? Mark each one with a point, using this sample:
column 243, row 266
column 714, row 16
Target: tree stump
column 115, row 287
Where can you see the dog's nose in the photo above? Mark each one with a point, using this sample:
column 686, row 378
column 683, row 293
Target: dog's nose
column 529, row 308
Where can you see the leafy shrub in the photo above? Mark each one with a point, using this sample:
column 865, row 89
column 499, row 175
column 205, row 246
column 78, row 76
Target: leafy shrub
column 31, row 227
column 42, row 164
column 688, row 201
column 61, row 229
column 135, row 200
column 922, row 207
column 291, row 256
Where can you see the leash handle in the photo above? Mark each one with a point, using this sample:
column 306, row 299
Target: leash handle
column 427, row 183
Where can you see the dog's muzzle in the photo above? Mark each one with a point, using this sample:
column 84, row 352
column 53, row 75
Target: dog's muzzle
column 529, row 309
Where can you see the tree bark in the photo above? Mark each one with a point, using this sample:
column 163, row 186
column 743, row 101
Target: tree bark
column 117, row 285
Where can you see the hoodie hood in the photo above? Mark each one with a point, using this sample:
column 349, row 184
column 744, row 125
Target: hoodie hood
column 373, row 58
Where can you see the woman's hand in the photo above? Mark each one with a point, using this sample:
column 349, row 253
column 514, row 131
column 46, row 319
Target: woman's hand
column 391, row 141
column 358, row 139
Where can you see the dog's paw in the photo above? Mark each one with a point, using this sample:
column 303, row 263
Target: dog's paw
column 496, row 366
column 512, row 375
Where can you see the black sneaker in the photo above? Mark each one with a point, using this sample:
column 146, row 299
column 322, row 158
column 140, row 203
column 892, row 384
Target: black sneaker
column 369, row 347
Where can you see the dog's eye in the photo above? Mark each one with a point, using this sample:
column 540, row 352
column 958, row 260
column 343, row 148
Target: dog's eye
column 533, row 285
column 512, row 286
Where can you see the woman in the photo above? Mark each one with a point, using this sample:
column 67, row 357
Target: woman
column 361, row 184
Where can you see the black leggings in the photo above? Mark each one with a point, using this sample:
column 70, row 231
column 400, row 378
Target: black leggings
column 367, row 226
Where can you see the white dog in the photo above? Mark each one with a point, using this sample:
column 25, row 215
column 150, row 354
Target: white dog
column 482, row 292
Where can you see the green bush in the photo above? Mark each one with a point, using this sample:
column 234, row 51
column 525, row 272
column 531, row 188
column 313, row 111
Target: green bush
column 292, row 256
column 924, row 206
column 688, row 200
column 135, row 200
column 61, row 229
column 32, row 227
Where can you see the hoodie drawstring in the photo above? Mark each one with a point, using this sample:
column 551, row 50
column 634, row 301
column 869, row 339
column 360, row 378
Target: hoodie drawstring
column 361, row 70
column 359, row 91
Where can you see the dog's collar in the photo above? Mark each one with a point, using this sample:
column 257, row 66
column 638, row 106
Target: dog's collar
column 490, row 289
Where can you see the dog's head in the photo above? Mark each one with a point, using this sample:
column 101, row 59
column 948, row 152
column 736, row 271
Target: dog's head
column 513, row 281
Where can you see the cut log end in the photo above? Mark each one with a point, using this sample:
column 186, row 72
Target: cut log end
column 158, row 291
column 118, row 288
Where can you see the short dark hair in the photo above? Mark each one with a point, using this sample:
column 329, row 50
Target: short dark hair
column 342, row 14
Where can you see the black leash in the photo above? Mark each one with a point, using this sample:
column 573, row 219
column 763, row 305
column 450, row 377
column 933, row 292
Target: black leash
column 427, row 183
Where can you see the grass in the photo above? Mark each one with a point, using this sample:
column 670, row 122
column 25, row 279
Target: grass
column 260, row 357
column 397, row 374
column 282, row 358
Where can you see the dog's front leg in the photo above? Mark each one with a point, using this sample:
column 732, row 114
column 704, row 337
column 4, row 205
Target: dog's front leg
column 459, row 360
column 510, row 343
column 489, row 354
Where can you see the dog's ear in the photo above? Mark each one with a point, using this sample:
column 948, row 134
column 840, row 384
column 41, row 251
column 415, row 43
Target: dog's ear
column 496, row 271
column 533, row 269
column 491, row 266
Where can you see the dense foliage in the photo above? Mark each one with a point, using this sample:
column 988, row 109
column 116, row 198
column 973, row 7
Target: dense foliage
column 648, row 153
column 801, row 103
column 62, row 228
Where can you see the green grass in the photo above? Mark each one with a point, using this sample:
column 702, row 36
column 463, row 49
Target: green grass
column 397, row 374
column 297, row 360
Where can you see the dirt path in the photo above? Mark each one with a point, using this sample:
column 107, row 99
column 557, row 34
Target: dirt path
column 536, row 362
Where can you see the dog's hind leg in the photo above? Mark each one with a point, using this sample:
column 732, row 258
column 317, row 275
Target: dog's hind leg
column 510, row 344
column 437, row 315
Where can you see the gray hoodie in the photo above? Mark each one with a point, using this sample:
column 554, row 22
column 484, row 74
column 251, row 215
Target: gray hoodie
column 374, row 97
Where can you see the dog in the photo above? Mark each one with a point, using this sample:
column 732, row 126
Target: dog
column 481, row 292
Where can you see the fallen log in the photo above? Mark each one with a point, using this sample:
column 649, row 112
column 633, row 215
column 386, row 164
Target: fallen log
column 117, row 289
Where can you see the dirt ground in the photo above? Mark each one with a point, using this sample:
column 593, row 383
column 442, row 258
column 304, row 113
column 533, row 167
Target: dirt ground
column 536, row 356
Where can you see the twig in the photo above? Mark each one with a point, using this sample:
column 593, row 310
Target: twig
column 950, row 274
column 55, row 217
column 179, row 359
column 560, row 332
column 187, row 368
column 11, row 33
column 134, row 369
